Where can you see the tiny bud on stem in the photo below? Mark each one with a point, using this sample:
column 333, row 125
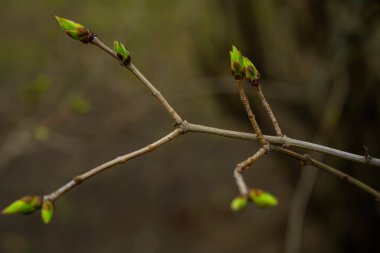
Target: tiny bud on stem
column 47, row 211
column 24, row 205
column 262, row 198
column 75, row 30
column 122, row 53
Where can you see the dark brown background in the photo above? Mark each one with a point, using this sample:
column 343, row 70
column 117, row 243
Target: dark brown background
column 320, row 62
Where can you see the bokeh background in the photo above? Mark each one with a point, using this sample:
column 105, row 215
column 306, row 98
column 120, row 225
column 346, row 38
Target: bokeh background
column 66, row 107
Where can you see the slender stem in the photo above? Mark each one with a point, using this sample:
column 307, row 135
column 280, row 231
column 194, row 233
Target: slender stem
column 250, row 113
column 178, row 120
column 117, row 161
column 186, row 127
column 269, row 110
column 308, row 160
column 286, row 141
column 104, row 47
column 241, row 167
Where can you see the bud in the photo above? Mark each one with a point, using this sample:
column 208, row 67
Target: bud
column 238, row 203
column 262, row 199
column 122, row 53
column 251, row 73
column 75, row 30
column 237, row 63
column 47, row 211
column 25, row 205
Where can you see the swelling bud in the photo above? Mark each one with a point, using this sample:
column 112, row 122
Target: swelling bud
column 75, row 30
column 47, row 211
column 238, row 203
column 237, row 63
column 251, row 73
column 262, row 198
column 122, row 53
column 24, row 205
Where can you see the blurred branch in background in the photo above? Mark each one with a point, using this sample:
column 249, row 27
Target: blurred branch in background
column 305, row 185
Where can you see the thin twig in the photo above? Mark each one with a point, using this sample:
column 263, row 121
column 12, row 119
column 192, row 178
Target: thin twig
column 268, row 110
column 241, row 167
column 178, row 120
column 117, row 161
column 250, row 113
column 184, row 128
column 308, row 160
column 286, row 141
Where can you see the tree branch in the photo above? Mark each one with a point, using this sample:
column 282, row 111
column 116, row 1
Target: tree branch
column 308, row 160
column 283, row 140
column 241, row 167
column 268, row 110
column 286, row 141
column 117, row 161
column 178, row 120
column 250, row 113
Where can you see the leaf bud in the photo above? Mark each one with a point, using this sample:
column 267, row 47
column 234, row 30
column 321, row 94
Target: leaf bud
column 47, row 211
column 75, row 30
column 238, row 203
column 262, row 198
column 251, row 73
column 237, row 63
column 24, row 205
column 122, row 53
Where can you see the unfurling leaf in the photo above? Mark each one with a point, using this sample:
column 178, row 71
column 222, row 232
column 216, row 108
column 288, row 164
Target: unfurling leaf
column 237, row 63
column 251, row 73
column 47, row 211
column 75, row 30
column 238, row 203
column 262, row 198
column 122, row 53
column 25, row 205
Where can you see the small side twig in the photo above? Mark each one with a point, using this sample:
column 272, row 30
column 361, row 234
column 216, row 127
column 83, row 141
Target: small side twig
column 241, row 167
column 268, row 110
column 250, row 113
column 117, row 161
column 178, row 120
column 287, row 141
column 308, row 160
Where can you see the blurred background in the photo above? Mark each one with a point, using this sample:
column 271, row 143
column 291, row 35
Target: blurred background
column 66, row 107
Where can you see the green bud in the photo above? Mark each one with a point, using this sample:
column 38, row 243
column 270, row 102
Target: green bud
column 238, row 203
column 262, row 199
column 122, row 53
column 237, row 63
column 79, row 104
column 251, row 73
column 47, row 211
column 25, row 205
column 75, row 30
